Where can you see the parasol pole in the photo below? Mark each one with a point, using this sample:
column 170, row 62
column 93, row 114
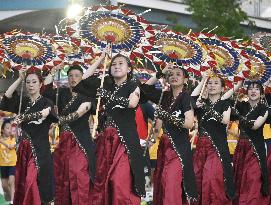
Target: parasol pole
column 95, row 117
column 21, row 95
column 57, row 91
column 22, row 89
column 153, row 124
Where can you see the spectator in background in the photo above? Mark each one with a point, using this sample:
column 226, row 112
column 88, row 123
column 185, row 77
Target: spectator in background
column 232, row 137
column 8, row 160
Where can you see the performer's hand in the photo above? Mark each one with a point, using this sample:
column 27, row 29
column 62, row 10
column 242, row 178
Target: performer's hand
column 107, row 50
column 200, row 103
column 206, row 74
column 22, row 74
column 167, row 69
column 17, row 120
column 45, row 112
column 83, row 108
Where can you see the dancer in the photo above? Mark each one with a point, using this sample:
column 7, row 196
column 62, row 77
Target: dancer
column 212, row 162
column 120, row 173
column 174, row 178
column 74, row 157
column 250, row 168
column 34, row 168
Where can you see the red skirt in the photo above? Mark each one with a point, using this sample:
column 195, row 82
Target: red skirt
column 269, row 169
column 113, row 181
column 247, row 175
column 26, row 187
column 168, row 176
column 72, row 181
column 209, row 174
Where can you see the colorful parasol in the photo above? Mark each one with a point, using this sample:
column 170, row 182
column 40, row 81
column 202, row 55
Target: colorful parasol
column 29, row 50
column 173, row 47
column 258, row 64
column 263, row 40
column 126, row 31
column 76, row 51
column 221, row 55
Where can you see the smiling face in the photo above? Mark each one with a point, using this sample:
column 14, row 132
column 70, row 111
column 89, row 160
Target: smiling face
column 254, row 92
column 119, row 68
column 214, row 86
column 74, row 77
column 32, row 84
column 176, row 77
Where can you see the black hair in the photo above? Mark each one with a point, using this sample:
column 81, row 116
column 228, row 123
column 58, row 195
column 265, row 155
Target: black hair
column 75, row 67
column 223, row 84
column 4, row 124
column 259, row 85
column 130, row 74
column 36, row 72
column 180, row 67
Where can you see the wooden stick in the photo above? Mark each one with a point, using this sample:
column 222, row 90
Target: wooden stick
column 95, row 118
column 21, row 96
column 57, row 91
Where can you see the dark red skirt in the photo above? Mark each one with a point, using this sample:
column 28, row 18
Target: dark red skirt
column 26, row 187
column 168, row 176
column 247, row 175
column 113, row 181
column 269, row 169
column 72, row 181
column 209, row 174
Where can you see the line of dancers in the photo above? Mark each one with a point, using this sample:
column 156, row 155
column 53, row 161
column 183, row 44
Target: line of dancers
column 108, row 168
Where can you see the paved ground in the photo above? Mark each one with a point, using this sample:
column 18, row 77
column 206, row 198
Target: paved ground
column 2, row 200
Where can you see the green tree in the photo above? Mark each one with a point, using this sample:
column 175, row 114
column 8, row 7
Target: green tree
column 226, row 14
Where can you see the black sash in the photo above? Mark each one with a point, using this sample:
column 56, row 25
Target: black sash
column 84, row 142
column 218, row 136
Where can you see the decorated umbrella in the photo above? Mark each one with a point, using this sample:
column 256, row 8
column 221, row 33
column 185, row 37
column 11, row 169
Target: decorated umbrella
column 262, row 40
column 173, row 47
column 222, row 55
column 258, row 64
column 29, row 50
column 129, row 33
column 76, row 50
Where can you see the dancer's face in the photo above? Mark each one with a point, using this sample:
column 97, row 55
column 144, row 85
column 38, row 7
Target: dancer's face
column 119, row 68
column 7, row 130
column 74, row 77
column 254, row 92
column 32, row 84
column 214, row 86
column 176, row 77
